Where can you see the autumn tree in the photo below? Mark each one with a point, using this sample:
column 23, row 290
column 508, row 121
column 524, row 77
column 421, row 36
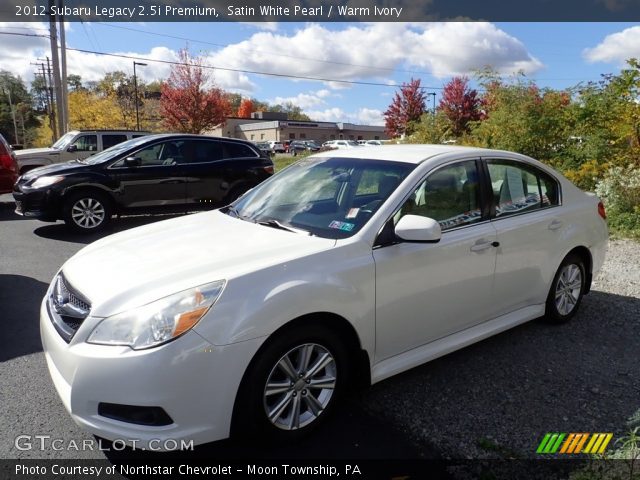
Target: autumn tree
column 460, row 104
column 188, row 104
column 88, row 110
column 405, row 110
column 246, row 108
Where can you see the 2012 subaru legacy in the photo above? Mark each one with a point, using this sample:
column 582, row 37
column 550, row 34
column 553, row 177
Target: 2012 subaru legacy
column 347, row 267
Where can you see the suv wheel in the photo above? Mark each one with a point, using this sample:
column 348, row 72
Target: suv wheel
column 87, row 211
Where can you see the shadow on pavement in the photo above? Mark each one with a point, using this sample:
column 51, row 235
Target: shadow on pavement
column 20, row 299
column 59, row 231
column 351, row 433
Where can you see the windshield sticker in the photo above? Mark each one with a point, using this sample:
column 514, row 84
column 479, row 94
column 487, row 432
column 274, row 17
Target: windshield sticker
column 352, row 213
column 344, row 226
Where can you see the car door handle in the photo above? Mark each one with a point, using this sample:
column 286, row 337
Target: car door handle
column 483, row 245
column 555, row 225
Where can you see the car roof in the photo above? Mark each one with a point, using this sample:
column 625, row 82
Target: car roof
column 407, row 153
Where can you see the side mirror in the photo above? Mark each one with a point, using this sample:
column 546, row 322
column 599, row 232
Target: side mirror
column 72, row 148
column 132, row 162
column 414, row 228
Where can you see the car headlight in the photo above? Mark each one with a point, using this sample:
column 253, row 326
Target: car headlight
column 46, row 181
column 157, row 322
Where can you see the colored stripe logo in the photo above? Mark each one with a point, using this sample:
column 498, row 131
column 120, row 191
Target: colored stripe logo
column 574, row 443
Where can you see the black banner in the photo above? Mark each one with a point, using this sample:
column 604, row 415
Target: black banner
column 547, row 469
column 321, row 10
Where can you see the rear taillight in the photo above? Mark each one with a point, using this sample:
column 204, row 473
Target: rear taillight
column 601, row 211
column 269, row 169
column 7, row 162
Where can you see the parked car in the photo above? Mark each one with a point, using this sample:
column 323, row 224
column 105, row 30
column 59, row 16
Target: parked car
column 345, row 144
column 155, row 173
column 276, row 147
column 375, row 143
column 8, row 167
column 298, row 146
column 265, row 147
column 345, row 268
column 77, row 144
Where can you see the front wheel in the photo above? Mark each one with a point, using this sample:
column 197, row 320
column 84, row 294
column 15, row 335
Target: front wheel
column 292, row 385
column 566, row 290
column 87, row 212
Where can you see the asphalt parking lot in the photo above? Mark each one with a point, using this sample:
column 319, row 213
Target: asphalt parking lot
column 495, row 399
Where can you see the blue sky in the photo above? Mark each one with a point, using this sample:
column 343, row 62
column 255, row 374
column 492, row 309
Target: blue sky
column 556, row 55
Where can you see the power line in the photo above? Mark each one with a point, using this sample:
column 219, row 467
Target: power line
column 252, row 72
column 295, row 57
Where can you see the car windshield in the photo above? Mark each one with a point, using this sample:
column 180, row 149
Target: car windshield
column 327, row 197
column 117, row 149
column 64, row 141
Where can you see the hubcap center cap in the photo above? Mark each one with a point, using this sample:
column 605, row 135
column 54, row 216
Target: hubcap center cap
column 299, row 385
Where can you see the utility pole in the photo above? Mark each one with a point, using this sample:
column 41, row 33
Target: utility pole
column 53, row 32
column 52, row 108
column 47, row 96
column 135, row 89
column 13, row 113
column 64, row 100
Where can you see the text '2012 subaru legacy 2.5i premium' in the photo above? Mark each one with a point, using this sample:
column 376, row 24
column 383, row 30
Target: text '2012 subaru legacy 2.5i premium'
column 348, row 265
column 152, row 174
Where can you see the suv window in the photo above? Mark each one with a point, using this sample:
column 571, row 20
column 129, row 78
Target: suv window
column 159, row 154
column 450, row 195
column 238, row 150
column 519, row 188
column 111, row 140
column 202, row 151
column 86, row 143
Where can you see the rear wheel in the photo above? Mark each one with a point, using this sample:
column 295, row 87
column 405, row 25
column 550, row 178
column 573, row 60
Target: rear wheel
column 87, row 212
column 292, row 385
column 566, row 290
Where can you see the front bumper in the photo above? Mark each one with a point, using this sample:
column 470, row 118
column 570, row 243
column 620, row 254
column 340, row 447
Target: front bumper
column 42, row 204
column 193, row 381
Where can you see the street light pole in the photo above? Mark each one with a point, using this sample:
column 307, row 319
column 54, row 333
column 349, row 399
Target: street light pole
column 135, row 88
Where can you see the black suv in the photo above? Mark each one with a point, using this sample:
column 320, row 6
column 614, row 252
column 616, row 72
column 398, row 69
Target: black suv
column 155, row 173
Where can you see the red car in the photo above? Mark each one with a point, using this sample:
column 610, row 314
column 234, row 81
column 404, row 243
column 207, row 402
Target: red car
column 8, row 167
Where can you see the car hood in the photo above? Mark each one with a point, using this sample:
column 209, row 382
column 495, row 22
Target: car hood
column 35, row 152
column 55, row 169
column 135, row 267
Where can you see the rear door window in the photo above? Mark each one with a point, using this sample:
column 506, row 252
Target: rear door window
column 109, row 140
column 520, row 188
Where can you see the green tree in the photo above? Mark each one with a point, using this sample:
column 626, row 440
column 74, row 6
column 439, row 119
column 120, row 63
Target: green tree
column 17, row 117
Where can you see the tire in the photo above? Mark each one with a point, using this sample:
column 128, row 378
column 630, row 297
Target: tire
column 87, row 212
column 299, row 399
column 567, row 290
column 235, row 193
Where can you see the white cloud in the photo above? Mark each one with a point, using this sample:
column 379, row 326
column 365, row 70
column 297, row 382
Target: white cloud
column 304, row 100
column 364, row 116
column 18, row 52
column 456, row 48
column 370, row 116
column 616, row 47
column 374, row 50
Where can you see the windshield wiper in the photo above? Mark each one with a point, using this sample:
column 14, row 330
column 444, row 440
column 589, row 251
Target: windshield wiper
column 273, row 223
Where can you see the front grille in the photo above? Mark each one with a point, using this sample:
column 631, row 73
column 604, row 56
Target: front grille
column 67, row 308
column 74, row 298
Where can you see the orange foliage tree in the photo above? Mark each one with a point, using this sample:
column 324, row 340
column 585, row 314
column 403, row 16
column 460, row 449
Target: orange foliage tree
column 187, row 104
column 246, row 108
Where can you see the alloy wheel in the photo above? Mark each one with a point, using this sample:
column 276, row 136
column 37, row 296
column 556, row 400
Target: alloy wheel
column 88, row 213
column 300, row 386
column 568, row 289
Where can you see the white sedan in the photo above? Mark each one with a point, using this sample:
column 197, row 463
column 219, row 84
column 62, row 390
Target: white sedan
column 340, row 269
